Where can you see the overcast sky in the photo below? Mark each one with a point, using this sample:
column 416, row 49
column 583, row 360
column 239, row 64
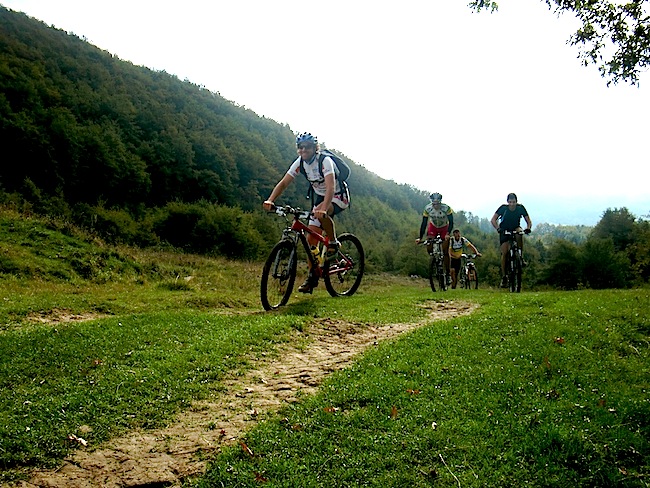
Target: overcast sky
column 421, row 92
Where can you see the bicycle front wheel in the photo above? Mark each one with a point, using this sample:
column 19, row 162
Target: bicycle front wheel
column 342, row 273
column 278, row 275
column 442, row 278
column 464, row 278
column 432, row 274
column 515, row 274
column 518, row 268
column 473, row 277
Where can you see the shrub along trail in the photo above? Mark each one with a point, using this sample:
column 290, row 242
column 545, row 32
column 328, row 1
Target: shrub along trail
column 165, row 457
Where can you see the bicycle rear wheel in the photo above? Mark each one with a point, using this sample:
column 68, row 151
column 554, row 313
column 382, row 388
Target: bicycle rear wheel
column 342, row 274
column 278, row 275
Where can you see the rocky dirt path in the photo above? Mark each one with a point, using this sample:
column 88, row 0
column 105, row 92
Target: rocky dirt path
column 167, row 456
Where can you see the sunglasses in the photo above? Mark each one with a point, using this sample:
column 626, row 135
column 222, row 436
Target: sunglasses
column 305, row 146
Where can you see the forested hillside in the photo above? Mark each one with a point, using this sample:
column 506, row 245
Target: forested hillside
column 140, row 157
column 103, row 142
column 80, row 123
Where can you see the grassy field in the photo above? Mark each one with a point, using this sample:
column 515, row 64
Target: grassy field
column 536, row 389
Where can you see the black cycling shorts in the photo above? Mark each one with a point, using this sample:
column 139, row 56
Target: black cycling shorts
column 318, row 199
column 505, row 238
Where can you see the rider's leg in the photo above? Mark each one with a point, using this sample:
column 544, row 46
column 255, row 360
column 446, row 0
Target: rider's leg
column 455, row 271
column 446, row 259
column 328, row 226
column 504, row 252
column 323, row 225
column 327, row 223
column 312, row 278
column 445, row 255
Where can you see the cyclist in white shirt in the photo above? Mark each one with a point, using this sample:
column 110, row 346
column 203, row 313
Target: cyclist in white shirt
column 328, row 199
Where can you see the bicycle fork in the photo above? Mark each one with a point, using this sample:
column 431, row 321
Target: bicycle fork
column 515, row 254
column 282, row 272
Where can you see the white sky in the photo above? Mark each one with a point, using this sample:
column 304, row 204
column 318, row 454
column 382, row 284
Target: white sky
column 418, row 91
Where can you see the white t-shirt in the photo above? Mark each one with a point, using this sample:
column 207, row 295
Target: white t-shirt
column 313, row 174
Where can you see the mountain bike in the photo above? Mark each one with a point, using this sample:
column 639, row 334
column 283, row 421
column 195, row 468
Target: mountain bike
column 469, row 273
column 514, row 260
column 436, row 262
column 341, row 272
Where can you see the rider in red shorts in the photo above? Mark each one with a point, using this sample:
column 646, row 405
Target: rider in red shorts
column 438, row 218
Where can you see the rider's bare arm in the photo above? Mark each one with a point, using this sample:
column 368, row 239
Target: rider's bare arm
column 277, row 191
column 529, row 222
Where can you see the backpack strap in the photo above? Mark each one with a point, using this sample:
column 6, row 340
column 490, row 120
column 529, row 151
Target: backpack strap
column 343, row 185
column 321, row 158
column 320, row 169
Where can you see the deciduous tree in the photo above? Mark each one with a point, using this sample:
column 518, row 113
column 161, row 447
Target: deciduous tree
column 614, row 35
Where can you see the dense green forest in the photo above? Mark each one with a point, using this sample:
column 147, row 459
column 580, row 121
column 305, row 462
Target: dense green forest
column 139, row 157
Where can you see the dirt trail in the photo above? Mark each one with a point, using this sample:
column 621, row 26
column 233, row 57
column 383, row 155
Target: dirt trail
column 165, row 457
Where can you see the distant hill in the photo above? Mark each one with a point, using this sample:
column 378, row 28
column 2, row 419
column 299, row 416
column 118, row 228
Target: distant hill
column 86, row 126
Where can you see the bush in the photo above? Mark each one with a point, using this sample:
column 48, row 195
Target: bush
column 208, row 228
column 602, row 266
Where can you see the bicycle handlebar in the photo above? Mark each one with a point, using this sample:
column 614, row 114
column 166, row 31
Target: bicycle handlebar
column 470, row 256
column 289, row 210
column 514, row 232
column 432, row 240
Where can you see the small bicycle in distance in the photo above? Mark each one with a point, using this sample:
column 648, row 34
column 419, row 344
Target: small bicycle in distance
column 469, row 273
column 341, row 272
column 436, row 263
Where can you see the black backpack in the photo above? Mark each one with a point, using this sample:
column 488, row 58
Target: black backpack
column 341, row 168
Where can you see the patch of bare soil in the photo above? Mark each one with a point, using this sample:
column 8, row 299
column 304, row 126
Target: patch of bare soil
column 165, row 457
column 61, row 315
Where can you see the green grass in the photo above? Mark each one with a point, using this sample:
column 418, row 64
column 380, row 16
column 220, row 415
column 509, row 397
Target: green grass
column 537, row 389
column 116, row 374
